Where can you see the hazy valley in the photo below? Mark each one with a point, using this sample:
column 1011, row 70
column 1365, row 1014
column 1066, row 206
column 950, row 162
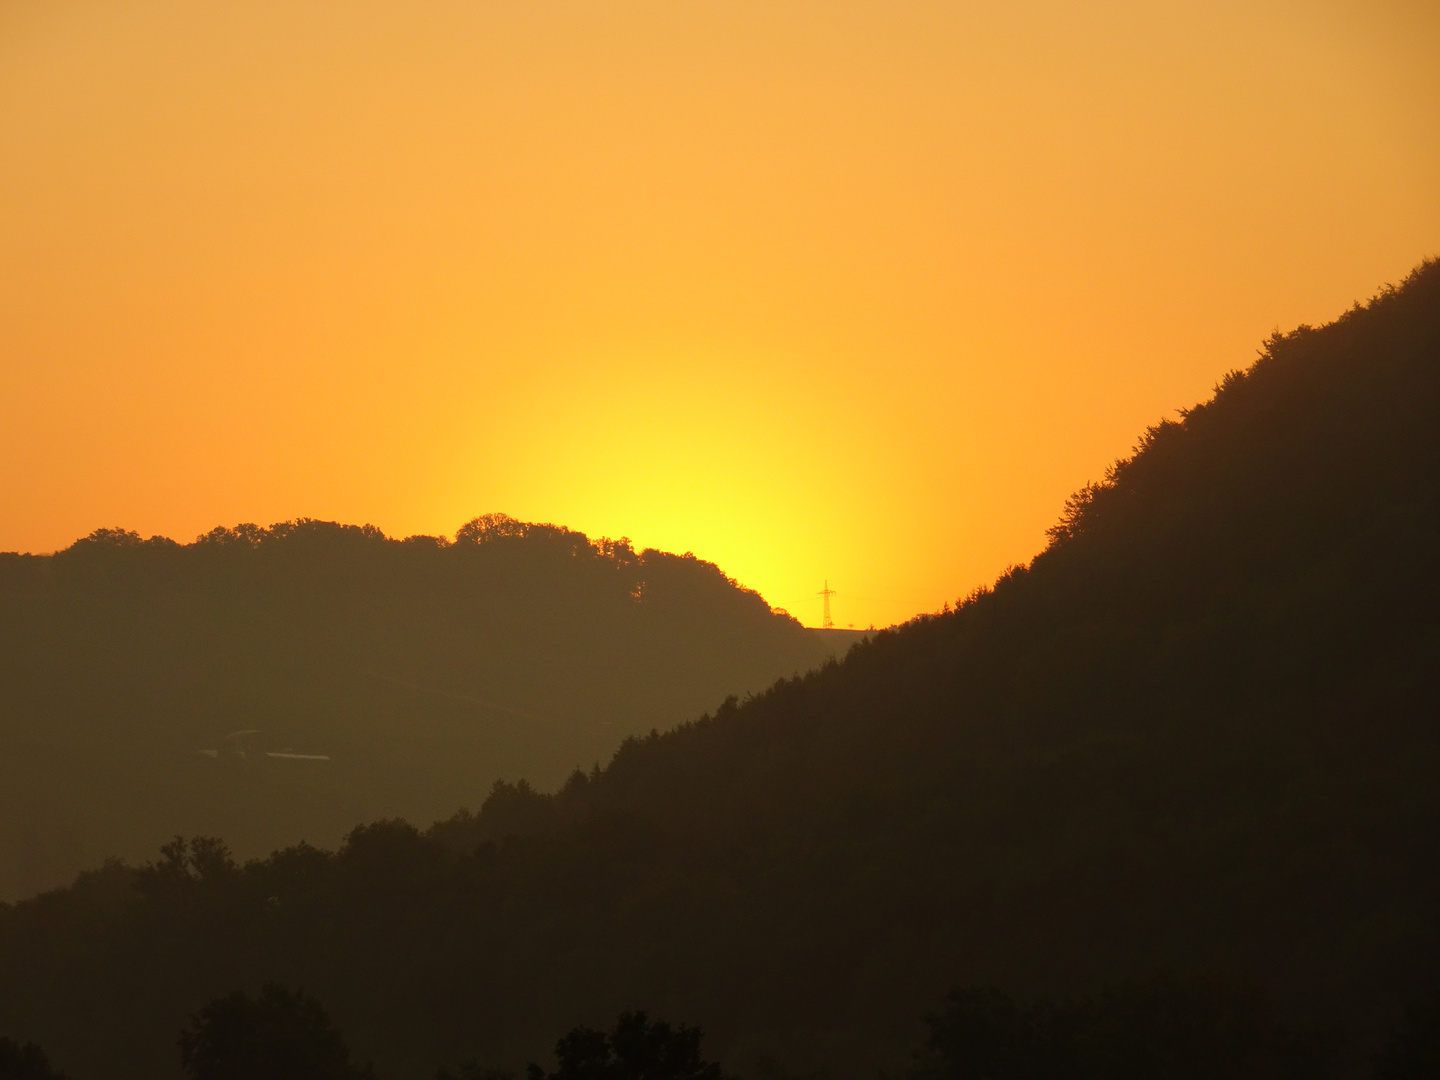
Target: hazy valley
column 273, row 685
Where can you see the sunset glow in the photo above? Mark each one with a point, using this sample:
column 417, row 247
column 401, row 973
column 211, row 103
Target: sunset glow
column 846, row 291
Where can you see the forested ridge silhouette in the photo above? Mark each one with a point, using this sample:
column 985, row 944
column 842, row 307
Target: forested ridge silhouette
column 421, row 668
column 1194, row 739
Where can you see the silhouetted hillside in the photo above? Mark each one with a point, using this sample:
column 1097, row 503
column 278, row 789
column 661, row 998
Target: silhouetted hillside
column 1197, row 735
column 421, row 669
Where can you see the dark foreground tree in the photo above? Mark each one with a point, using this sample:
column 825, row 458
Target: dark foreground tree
column 1414, row 1051
column 1139, row 1031
column 25, row 1062
column 634, row 1050
column 279, row 1035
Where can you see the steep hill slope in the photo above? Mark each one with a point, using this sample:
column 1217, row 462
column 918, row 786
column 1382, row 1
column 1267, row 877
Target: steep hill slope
column 421, row 669
column 1197, row 734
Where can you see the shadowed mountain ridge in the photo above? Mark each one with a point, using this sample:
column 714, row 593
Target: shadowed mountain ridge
column 421, row 668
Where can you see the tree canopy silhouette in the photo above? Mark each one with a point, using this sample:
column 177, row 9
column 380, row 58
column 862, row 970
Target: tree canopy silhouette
column 1413, row 1051
column 25, row 1062
column 636, row 1048
column 280, row 1034
column 1137, row 1031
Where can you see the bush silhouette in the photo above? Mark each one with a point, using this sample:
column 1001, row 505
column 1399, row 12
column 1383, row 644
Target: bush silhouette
column 25, row 1062
column 635, row 1049
column 1161, row 1027
column 1413, row 1053
column 279, row 1035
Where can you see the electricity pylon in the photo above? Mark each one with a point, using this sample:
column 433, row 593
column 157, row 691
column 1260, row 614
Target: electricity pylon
column 827, row 623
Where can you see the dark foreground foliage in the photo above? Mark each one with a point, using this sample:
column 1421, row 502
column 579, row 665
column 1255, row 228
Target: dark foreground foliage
column 1139, row 1031
column 27, row 1062
column 634, row 1049
column 1197, row 734
column 280, row 1034
column 1413, row 1052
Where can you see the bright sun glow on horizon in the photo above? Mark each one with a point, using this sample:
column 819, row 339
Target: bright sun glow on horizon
column 853, row 291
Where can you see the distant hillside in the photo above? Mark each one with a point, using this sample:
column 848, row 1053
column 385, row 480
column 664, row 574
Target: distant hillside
column 422, row 669
column 837, row 642
column 1198, row 734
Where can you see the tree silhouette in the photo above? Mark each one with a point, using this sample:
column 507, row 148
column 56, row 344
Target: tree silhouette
column 25, row 1062
column 635, row 1049
column 279, row 1035
column 1180, row 1030
column 1413, row 1053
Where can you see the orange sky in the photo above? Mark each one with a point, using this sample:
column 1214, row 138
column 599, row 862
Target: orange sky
column 844, row 290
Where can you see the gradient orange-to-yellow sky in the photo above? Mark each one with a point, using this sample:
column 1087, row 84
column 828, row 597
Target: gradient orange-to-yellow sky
column 845, row 290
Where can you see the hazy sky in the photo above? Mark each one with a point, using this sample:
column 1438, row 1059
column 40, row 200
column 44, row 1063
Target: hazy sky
column 857, row 291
